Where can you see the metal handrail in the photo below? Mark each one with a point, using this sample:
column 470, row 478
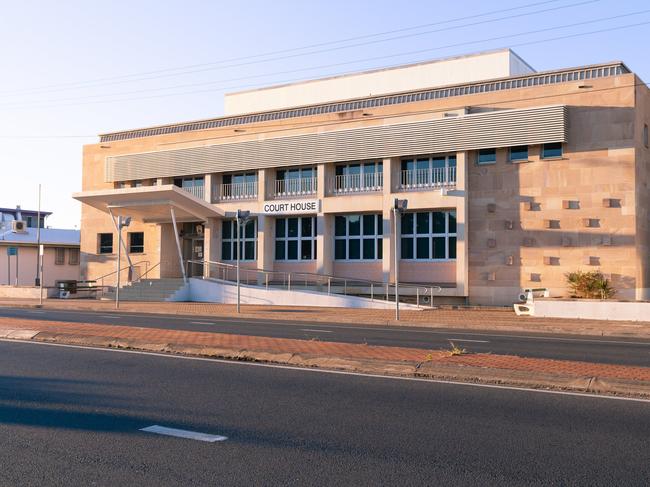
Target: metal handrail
column 295, row 186
column 237, row 191
column 357, row 183
column 330, row 284
column 197, row 190
column 428, row 178
column 101, row 278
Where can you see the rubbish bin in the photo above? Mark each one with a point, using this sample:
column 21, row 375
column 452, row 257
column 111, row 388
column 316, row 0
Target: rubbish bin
column 66, row 288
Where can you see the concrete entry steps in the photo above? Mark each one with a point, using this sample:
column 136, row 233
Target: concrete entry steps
column 150, row 290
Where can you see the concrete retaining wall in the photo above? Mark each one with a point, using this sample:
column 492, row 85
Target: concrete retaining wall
column 588, row 309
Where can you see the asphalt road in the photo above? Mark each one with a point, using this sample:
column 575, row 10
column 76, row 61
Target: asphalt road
column 592, row 349
column 71, row 416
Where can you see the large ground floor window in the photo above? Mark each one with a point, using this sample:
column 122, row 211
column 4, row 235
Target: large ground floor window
column 428, row 235
column 295, row 238
column 358, row 237
column 247, row 240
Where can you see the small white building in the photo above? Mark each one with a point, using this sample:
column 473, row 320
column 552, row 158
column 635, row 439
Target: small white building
column 19, row 250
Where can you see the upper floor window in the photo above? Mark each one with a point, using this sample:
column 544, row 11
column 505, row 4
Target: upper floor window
column 136, row 242
column 295, row 238
column 428, row 235
column 519, row 153
column 238, row 186
column 358, row 237
column 428, row 171
column 105, row 243
column 552, row 150
column 240, row 178
column 247, row 240
column 192, row 184
column 486, row 156
column 137, row 184
column 299, row 180
column 73, row 256
column 358, row 176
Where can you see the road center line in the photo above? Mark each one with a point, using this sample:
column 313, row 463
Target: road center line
column 190, row 435
column 110, row 316
column 202, row 323
column 317, row 331
column 466, row 340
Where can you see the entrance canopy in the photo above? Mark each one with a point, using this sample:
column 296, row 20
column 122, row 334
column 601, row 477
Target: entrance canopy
column 150, row 204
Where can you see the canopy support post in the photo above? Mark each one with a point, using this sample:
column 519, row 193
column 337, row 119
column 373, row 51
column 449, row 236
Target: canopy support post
column 178, row 244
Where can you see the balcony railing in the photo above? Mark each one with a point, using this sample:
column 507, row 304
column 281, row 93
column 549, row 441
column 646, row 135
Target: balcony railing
column 357, row 183
column 198, row 191
column 237, row 191
column 438, row 177
column 295, row 187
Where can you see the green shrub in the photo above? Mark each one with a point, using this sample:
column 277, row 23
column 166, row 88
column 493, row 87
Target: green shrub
column 592, row 284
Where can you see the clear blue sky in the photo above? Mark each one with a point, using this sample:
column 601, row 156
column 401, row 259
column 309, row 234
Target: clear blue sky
column 49, row 51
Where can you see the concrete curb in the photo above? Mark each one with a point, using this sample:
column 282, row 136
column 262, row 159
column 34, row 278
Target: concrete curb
column 425, row 370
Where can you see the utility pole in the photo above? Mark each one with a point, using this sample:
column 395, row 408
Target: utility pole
column 37, row 281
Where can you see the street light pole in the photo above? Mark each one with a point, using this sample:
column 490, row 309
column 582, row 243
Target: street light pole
column 121, row 222
column 398, row 208
column 242, row 218
column 238, row 257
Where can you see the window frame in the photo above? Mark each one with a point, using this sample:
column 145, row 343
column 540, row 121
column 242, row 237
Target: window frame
column 522, row 159
column 76, row 253
column 561, row 154
column 232, row 240
column 486, row 163
column 369, row 180
column 59, row 255
column 130, row 243
column 100, row 246
column 430, row 235
column 299, row 239
column 378, row 237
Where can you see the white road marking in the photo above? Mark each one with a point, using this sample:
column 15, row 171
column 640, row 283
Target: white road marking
column 109, row 316
column 317, row 331
column 465, row 340
column 336, row 372
column 190, row 435
column 36, row 311
column 202, row 323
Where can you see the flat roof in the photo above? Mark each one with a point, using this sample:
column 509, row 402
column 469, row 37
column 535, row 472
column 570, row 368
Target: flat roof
column 14, row 210
column 614, row 68
column 385, row 69
column 49, row 236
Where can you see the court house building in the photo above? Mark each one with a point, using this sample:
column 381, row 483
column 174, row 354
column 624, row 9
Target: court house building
column 512, row 177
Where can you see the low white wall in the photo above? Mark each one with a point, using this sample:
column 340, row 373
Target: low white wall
column 25, row 292
column 588, row 309
column 216, row 292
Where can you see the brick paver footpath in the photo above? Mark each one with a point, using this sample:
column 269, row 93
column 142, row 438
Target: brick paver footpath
column 198, row 342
